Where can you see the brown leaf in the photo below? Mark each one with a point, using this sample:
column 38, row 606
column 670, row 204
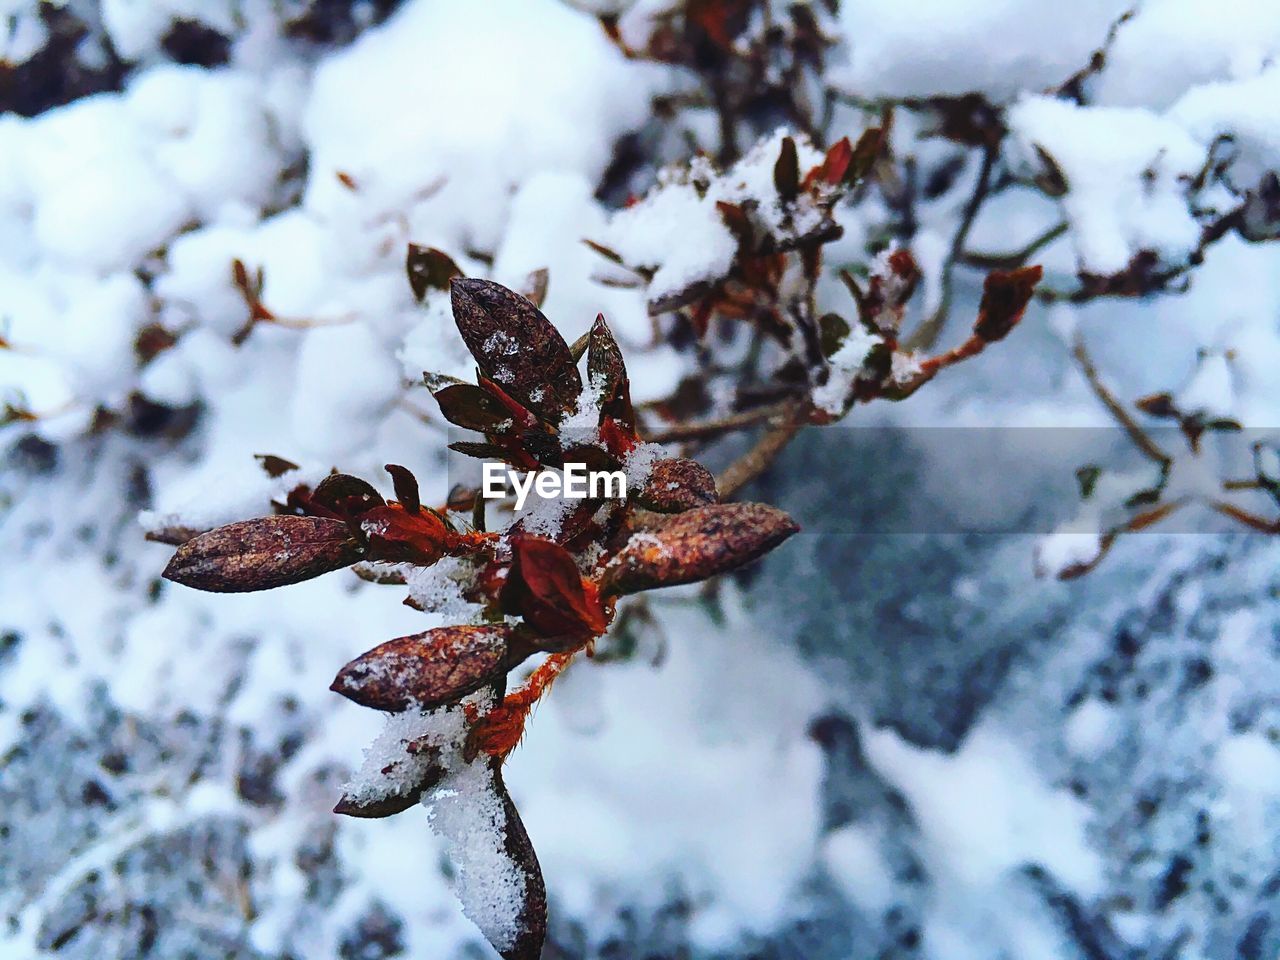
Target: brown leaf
column 535, row 286
column 786, row 171
column 1005, row 296
column 472, row 408
column 274, row 466
column 394, row 800
column 425, row 669
column 429, row 269
column 697, row 544
column 533, row 906
column 678, row 484
column 1159, row 405
column 264, row 553
column 345, row 496
column 607, row 373
column 406, row 486
column 516, row 347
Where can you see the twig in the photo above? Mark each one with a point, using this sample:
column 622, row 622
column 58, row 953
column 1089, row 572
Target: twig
column 1149, row 448
column 722, row 425
column 1010, row 261
column 927, row 333
column 756, row 460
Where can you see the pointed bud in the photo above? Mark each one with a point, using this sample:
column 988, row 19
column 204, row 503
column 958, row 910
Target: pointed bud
column 426, row 669
column 516, row 346
column 678, row 484
column 697, row 544
column 263, row 554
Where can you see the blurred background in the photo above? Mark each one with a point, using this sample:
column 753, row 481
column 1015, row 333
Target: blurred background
column 913, row 732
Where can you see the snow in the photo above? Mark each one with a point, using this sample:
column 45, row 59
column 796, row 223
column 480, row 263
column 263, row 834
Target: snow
column 675, row 787
column 677, row 230
column 1127, row 172
column 947, row 48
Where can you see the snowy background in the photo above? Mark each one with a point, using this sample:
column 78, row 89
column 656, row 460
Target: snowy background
column 898, row 746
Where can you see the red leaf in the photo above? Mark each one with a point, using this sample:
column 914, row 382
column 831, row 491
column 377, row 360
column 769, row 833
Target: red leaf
column 1004, row 299
column 545, row 587
column 396, row 536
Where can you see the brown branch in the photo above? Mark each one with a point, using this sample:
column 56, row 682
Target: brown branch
column 927, row 333
column 722, row 425
column 1149, row 448
column 756, row 460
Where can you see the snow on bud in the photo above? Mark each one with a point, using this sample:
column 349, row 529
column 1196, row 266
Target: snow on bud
column 264, row 553
column 677, row 484
column 697, row 544
column 425, row 669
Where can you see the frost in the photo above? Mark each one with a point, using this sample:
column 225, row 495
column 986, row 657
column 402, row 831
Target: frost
column 469, row 815
column 439, row 589
column 678, row 230
column 1127, row 172
column 845, row 365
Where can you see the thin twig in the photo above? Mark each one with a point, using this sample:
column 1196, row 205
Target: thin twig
column 719, row 426
column 927, row 333
column 1149, row 448
column 756, row 460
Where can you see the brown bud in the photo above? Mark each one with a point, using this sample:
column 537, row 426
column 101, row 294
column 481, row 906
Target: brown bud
column 608, row 374
column 426, row 669
column 697, row 544
column 518, row 847
column 516, row 346
column 1005, row 296
column 264, row 553
column 677, row 484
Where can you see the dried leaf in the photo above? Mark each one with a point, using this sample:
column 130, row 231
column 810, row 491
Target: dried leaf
column 1159, row 405
column 1005, row 296
column 697, row 544
column 264, row 553
column 534, row 288
column 607, row 373
column 516, row 346
column 426, row 669
column 678, row 484
column 546, row 588
column 406, row 486
column 345, row 496
column 472, row 408
column 273, row 465
column 396, row 536
column 786, row 171
column 429, row 269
